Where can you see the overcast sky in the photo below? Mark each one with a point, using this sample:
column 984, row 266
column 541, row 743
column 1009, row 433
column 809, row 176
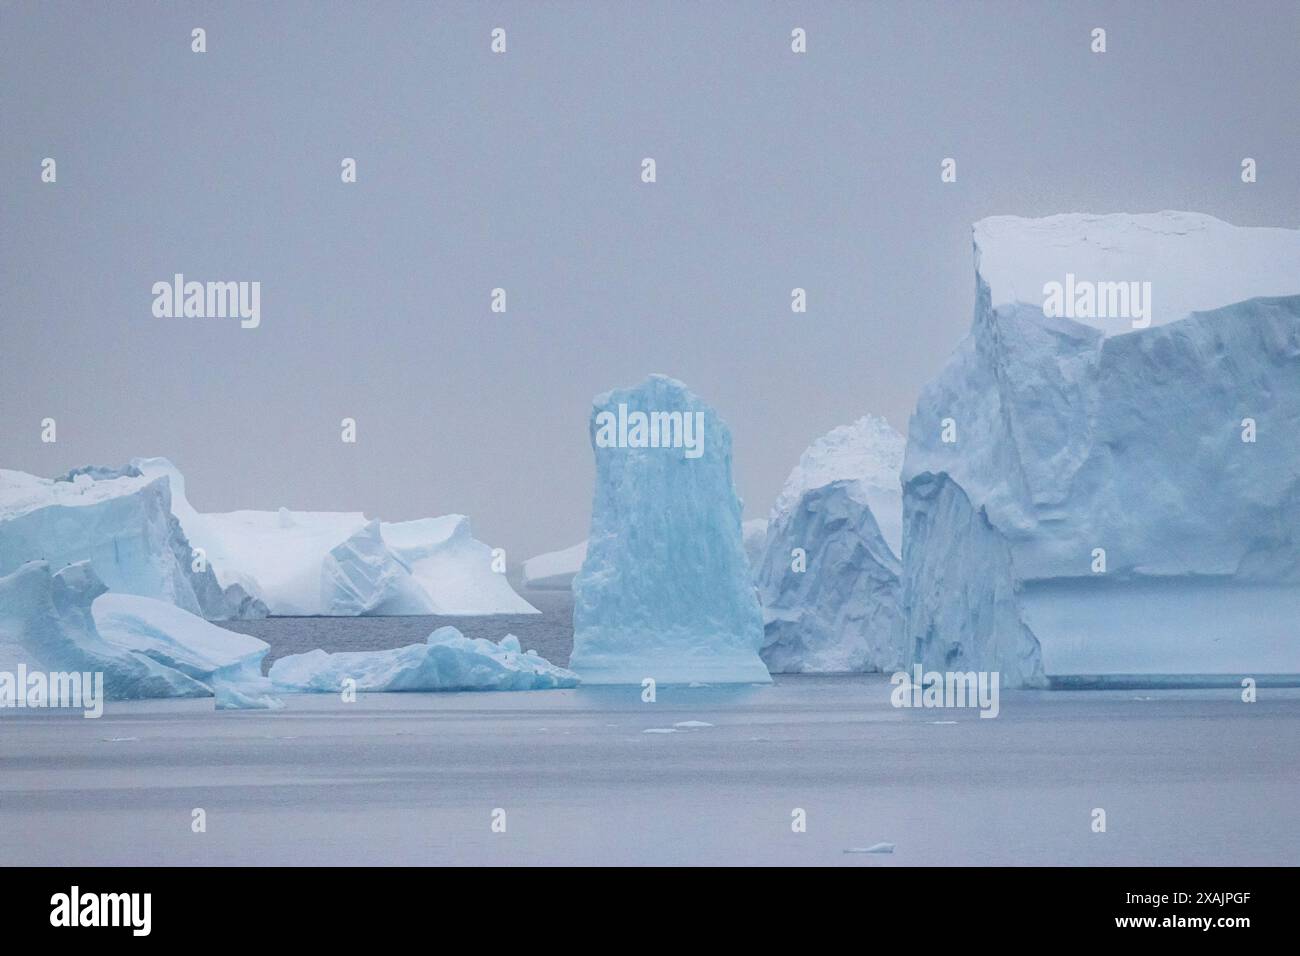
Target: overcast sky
column 522, row 171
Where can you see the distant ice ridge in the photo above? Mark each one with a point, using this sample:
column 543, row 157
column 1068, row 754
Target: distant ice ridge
column 842, row 506
column 555, row 570
column 65, row 622
column 340, row 563
column 447, row 661
column 1098, row 511
column 665, row 591
column 121, row 521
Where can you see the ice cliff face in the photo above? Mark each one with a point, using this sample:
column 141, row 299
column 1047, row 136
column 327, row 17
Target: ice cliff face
column 340, row 563
column 665, row 590
column 1077, row 488
column 829, row 576
column 121, row 521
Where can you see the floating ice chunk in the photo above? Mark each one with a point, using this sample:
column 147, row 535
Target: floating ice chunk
column 692, row 723
column 874, row 848
column 447, row 661
column 46, row 625
column 665, row 590
column 659, row 730
column 226, row 662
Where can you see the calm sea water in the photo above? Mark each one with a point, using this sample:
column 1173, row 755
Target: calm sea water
column 549, row 633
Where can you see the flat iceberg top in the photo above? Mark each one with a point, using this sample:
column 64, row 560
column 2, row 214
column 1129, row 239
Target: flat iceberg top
column 868, row 452
column 21, row 493
column 555, row 564
column 1193, row 262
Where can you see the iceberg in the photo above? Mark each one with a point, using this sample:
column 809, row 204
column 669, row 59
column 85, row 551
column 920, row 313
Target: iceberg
column 836, row 608
column 121, row 521
column 447, row 661
column 226, row 663
column 341, row 563
column 66, row 621
column 665, row 590
column 753, row 538
column 555, row 570
column 1100, row 491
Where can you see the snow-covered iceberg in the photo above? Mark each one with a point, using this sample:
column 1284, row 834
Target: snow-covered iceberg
column 1113, row 486
column 665, row 590
column 447, row 661
column 555, row 570
column 121, row 521
column 66, row 622
column 829, row 578
column 340, row 563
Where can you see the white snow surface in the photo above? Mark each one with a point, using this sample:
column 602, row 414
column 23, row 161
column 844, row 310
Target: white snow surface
column 447, row 661
column 555, row 570
column 1194, row 262
column 337, row 563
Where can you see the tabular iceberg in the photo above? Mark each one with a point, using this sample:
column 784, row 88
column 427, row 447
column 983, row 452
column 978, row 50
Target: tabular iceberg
column 341, row 563
column 448, row 661
column 665, row 590
column 836, row 608
column 1116, row 492
column 121, row 521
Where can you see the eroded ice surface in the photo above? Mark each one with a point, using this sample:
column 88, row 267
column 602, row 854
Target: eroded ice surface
column 829, row 577
column 447, row 661
column 665, row 591
column 1072, row 439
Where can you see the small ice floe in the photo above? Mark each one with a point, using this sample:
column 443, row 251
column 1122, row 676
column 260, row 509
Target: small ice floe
column 117, row 740
column 691, row 723
column 660, row 730
column 942, row 722
column 875, row 848
column 698, row 683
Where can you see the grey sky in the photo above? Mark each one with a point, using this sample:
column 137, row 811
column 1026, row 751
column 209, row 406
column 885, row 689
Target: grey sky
column 477, row 170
